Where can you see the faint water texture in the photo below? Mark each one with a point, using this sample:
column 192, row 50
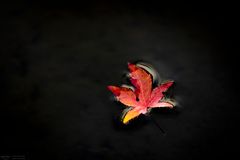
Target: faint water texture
column 56, row 64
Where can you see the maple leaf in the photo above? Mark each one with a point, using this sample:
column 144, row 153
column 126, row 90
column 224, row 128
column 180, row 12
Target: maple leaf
column 143, row 97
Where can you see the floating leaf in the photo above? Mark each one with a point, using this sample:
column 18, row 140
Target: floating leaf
column 143, row 97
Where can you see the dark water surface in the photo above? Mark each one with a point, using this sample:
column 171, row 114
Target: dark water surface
column 56, row 61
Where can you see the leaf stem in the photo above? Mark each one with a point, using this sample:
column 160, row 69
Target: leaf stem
column 157, row 125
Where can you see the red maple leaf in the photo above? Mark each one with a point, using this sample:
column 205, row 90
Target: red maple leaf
column 143, row 97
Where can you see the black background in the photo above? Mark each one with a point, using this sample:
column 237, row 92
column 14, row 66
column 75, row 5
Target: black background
column 57, row 59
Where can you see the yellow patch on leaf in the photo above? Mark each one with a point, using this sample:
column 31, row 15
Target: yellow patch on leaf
column 130, row 114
